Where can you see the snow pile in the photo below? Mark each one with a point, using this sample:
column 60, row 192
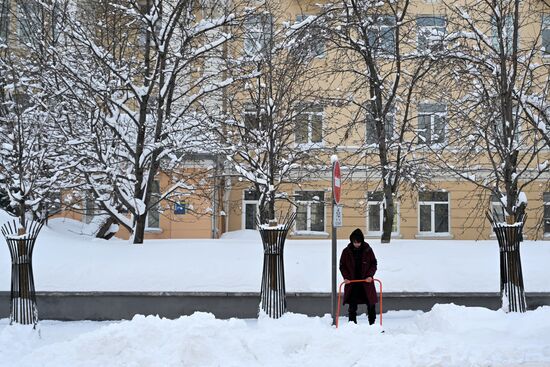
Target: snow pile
column 448, row 336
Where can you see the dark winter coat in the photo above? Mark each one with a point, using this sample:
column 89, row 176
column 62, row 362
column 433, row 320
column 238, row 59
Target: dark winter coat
column 359, row 293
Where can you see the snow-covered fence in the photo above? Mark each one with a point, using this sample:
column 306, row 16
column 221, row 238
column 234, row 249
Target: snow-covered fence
column 23, row 308
column 511, row 275
column 273, row 292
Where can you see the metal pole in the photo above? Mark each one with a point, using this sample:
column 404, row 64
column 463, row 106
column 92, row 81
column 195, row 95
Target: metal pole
column 334, row 259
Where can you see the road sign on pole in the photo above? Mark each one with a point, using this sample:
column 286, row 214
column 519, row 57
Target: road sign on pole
column 336, row 214
column 337, row 218
column 336, row 182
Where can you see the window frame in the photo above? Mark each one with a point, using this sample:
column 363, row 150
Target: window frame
column 4, row 21
column 372, row 233
column 308, row 204
column 432, row 204
column 318, row 49
column 390, row 133
column 508, row 26
column 432, row 115
column 156, row 207
column 430, row 45
column 258, row 34
column 383, row 24
column 309, row 111
column 545, row 34
column 246, row 201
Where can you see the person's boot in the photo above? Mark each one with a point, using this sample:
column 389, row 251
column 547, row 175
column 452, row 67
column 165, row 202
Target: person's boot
column 371, row 310
column 352, row 317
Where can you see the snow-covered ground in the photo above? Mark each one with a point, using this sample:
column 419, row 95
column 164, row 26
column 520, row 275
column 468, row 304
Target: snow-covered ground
column 446, row 336
column 64, row 260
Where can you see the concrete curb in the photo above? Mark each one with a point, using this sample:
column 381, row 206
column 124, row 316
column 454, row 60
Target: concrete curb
column 72, row 306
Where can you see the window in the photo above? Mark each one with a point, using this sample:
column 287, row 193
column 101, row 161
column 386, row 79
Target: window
column 89, row 208
column 309, row 125
column 375, row 214
column 254, row 118
column 497, row 209
column 315, row 45
column 250, row 209
column 545, row 35
column 430, row 33
column 546, row 201
column 506, row 25
column 431, row 123
column 382, row 35
column 153, row 216
column 4, row 20
column 258, row 34
column 27, row 22
column 372, row 135
column 433, row 212
column 310, row 213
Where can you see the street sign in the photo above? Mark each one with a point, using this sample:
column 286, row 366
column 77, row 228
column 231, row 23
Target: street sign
column 338, row 217
column 337, row 182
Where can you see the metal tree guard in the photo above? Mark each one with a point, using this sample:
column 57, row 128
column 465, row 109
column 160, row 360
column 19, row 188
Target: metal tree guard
column 23, row 297
column 512, row 290
column 273, row 293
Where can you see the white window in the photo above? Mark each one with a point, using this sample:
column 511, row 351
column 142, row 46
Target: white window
column 430, row 32
column 258, row 34
column 372, row 134
column 250, row 209
column 381, row 34
column 433, row 207
column 546, row 201
column 506, row 36
column 497, row 209
column 431, row 123
column 375, row 214
column 27, row 20
column 545, row 35
column 153, row 215
column 310, row 212
column 4, row 20
column 309, row 125
column 315, row 46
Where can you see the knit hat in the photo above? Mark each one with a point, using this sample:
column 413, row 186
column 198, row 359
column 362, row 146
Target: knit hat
column 357, row 236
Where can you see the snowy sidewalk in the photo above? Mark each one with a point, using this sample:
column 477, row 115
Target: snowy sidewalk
column 64, row 261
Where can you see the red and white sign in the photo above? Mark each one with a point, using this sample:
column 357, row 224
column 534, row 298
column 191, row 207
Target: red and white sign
column 336, row 182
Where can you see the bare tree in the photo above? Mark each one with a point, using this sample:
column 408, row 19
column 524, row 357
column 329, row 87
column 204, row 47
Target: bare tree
column 374, row 53
column 273, row 126
column 496, row 88
column 495, row 76
column 31, row 165
column 134, row 76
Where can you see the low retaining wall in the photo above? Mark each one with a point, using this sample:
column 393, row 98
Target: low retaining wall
column 124, row 305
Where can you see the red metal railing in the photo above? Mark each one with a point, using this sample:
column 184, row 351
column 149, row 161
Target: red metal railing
column 357, row 281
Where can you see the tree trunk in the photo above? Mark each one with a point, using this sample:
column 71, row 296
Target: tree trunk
column 389, row 214
column 104, row 229
column 139, row 230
